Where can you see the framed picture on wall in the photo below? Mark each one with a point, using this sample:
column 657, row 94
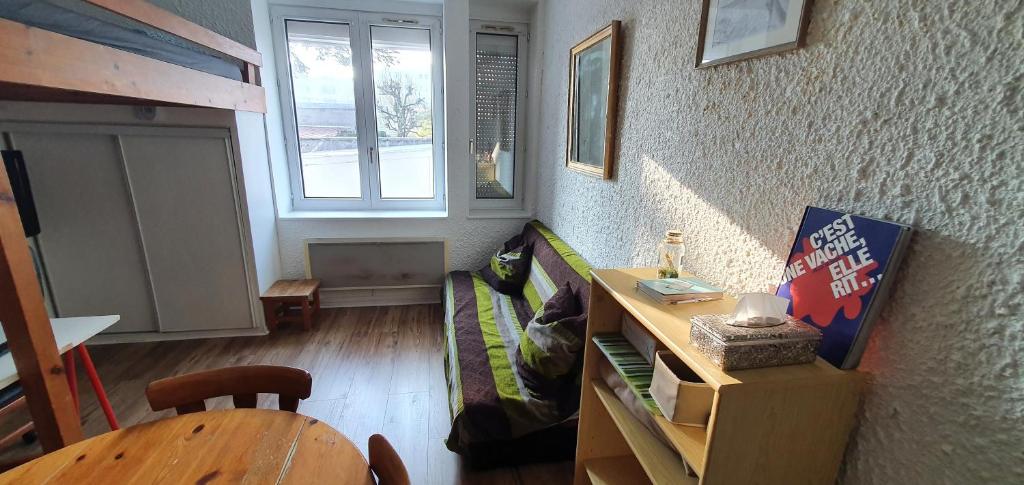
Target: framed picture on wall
column 593, row 102
column 732, row 30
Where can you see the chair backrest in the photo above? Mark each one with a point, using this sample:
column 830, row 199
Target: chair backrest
column 188, row 393
column 385, row 462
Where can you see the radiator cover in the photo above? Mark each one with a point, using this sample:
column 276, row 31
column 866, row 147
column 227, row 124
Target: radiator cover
column 378, row 263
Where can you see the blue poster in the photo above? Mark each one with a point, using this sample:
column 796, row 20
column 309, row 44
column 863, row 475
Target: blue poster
column 837, row 275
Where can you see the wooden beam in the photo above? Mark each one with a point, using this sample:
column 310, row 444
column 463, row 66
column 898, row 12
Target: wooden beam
column 29, row 334
column 36, row 57
column 159, row 18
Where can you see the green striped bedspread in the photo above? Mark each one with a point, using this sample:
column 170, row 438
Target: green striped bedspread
column 488, row 399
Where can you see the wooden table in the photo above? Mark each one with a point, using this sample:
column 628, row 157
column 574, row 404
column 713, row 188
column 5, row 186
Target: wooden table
column 285, row 295
column 228, row 446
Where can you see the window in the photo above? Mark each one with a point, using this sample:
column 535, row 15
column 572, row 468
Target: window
column 362, row 102
column 499, row 73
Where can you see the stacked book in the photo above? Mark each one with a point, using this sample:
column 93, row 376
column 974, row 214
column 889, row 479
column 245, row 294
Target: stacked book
column 679, row 290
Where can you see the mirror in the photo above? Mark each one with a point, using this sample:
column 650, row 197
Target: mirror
column 593, row 99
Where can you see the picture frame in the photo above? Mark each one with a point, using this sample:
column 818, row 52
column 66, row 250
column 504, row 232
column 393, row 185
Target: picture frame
column 735, row 30
column 593, row 102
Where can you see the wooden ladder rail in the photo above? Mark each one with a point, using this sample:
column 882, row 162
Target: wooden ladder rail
column 29, row 335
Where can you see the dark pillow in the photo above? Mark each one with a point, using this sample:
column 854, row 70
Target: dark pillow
column 509, row 268
column 550, row 346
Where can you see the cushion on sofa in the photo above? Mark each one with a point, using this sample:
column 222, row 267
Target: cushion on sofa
column 509, row 268
column 551, row 344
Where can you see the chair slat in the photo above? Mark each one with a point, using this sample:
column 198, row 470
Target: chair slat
column 194, row 407
column 246, row 401
column 288, row 403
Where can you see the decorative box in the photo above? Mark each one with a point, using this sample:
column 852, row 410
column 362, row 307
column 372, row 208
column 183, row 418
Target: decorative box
column 681, row 395
column 734, row 348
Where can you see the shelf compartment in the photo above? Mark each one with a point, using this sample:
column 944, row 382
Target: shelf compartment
column 662, row 464
column 616, row 470
column 631, row 366
column 689, row 441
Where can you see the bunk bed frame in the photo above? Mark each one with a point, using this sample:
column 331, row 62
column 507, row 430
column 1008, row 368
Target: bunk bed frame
column 39, row 65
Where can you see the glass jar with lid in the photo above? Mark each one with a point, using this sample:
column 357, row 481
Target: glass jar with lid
column 670, row 254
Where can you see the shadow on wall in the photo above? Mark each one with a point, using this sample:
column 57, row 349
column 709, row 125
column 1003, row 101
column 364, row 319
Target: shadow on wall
column 927, row 361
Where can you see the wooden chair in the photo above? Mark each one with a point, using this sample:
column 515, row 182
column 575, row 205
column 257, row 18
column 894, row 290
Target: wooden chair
column 385, row 462
column 188, row 393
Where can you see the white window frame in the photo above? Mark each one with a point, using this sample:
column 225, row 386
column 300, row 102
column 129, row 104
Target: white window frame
column 359, row 30
column 521, row 31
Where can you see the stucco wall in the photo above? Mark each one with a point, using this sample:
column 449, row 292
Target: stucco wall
column 230, row 18
column 908, row 111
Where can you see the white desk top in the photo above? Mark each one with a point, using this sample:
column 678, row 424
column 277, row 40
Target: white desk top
column 68, row 332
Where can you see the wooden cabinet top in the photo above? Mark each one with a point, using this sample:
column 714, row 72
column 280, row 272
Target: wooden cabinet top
column 671, row 325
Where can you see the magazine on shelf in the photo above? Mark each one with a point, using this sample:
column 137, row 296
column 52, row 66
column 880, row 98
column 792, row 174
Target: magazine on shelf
column 679, row 290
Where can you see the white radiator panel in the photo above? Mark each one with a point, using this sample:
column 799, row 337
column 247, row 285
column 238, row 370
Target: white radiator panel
column 359, row 272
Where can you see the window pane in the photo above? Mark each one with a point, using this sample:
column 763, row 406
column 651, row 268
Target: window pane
column 402, row 82
column 497, row 66
column 320, row 57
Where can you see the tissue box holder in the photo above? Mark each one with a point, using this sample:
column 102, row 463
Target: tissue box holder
column 735, row 348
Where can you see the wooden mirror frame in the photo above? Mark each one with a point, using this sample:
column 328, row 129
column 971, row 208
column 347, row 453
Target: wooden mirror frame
column 611, row 31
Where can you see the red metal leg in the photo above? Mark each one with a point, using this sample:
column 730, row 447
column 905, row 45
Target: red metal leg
column 101, row 395
column 69, row 371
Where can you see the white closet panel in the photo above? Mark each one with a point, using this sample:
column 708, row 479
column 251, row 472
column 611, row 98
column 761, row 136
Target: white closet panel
column 89, row 239
column 183, row 186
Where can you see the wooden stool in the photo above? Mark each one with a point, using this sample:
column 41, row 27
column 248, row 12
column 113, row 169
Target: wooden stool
column 282, row 299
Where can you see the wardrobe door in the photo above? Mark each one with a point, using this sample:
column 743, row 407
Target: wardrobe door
column 89, row 240
column 183, row 186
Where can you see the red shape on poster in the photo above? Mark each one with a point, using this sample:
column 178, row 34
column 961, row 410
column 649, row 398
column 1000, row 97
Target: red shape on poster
column 812, row 294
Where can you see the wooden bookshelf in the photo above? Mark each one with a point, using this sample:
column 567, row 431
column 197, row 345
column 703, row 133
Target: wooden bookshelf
column 689, row 441
column 661, row 463
column 786, row 424
column 616, row 470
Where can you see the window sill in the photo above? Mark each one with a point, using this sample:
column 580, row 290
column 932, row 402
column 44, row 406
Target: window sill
column 379, row 214
column 499, row 214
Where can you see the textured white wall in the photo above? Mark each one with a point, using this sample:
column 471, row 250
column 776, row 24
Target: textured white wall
column 908, row 111
column 230, row 18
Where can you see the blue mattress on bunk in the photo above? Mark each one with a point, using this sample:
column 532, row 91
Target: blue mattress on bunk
column 53, row 17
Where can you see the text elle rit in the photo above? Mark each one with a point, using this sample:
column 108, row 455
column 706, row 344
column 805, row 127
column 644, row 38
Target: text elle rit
column 830, row 244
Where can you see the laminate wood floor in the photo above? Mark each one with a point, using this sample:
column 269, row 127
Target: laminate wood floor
column 375, row 370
